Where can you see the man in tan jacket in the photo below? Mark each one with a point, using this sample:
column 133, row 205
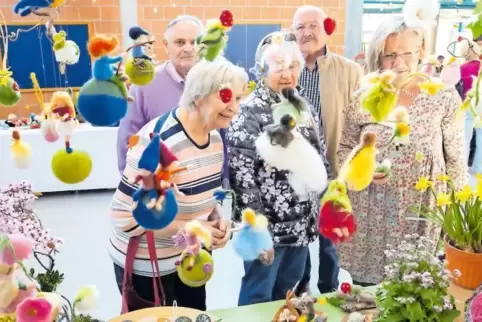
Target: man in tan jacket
column 328, row 81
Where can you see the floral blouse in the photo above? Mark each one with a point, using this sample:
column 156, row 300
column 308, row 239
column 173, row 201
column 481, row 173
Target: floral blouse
column 266, row 190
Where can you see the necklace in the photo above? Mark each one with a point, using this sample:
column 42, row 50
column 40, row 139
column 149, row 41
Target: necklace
column 408, row 93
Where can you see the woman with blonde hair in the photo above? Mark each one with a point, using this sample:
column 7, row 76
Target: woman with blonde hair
column 436, row 148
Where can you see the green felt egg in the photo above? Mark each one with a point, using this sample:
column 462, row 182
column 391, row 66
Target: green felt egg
column 71, row 167
column 140, row 71
column 10, row 93
column 196, row 276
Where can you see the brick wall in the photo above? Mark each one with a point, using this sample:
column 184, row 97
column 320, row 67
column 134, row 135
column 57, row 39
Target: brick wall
column 155, row 14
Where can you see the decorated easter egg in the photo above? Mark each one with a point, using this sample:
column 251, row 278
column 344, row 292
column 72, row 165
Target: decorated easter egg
column 101, row 103
column 154, row 219
column 73, row 167
column 69, row 54
column 200, row 273
column 140, row 71
column 10, row 93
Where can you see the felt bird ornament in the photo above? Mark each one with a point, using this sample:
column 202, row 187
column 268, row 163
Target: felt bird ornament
column 195, row 265
column 212, row 42
column 281, row 146
column 380, row 98
column 336, row 222
column 358, row 170
column 20, row 151
column 66, row 51
column 292, row 104
column 9, row 89
column 419, row 14
column 254, row 238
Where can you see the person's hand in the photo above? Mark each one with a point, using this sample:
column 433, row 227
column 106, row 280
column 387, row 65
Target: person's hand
column 380, row 178
column 212, row 227
column 267, row 257
column 224, row 227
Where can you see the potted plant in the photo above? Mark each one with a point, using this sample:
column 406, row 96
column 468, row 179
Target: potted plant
column 459, row 213
column 416, row 285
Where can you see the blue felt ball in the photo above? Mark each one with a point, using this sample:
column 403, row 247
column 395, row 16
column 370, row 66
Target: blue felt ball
column 249, row 244
column 101, row 103
column 152, row 219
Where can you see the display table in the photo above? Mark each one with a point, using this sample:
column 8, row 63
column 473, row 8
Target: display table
column 99, row 142
column 265, row 312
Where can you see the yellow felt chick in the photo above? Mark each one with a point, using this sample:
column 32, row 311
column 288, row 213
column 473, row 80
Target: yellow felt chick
column 21, row 152
column 359, row 168
column 380, row 98
column 337, row 193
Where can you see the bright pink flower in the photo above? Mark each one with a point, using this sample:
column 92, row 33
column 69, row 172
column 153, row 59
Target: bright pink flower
column 22, row 247
column 34, row 310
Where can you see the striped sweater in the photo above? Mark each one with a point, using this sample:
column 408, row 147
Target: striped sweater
column 198, row 185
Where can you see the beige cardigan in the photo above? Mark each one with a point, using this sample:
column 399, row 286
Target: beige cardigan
column 339, row 78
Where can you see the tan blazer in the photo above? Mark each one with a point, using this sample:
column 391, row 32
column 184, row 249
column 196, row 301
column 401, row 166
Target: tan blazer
column 339, row 78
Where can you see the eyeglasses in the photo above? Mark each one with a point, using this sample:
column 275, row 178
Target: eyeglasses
column 452, row 48
column 391, row 58
column 311, row 27
column 287, row 36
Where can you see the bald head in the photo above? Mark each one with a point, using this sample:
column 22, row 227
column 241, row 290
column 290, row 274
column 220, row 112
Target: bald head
column 309, row 30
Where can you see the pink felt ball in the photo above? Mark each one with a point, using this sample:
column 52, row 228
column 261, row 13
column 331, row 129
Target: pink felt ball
column 22, row 247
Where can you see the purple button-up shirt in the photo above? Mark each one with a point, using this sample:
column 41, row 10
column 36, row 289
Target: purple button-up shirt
column 150, row 101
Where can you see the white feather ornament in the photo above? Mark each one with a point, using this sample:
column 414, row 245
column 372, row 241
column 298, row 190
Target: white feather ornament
column 420, row 13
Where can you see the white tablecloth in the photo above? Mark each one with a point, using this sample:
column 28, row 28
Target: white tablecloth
column 99, row 142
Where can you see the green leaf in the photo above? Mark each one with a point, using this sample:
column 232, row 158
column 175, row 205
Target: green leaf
column 449, row 316
column 476, row 27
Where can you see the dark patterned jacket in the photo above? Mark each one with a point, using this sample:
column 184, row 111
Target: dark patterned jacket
column 266, row 190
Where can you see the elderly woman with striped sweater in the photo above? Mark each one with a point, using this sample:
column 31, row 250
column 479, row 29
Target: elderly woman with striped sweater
column 190, row 132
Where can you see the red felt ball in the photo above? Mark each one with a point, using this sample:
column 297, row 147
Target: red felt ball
column 329, row 25
column 226, row 18
column 345, row 288
column 226, row 95
column 333, row 217
column 460, row 38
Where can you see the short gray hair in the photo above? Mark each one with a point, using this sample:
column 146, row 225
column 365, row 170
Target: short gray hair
column 181, row 18
column 207, row 77
column 390, row 26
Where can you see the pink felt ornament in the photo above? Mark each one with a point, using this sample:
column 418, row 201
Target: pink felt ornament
column 49, row 130
column 450, row 74
column 22, row 247
column 34, row 310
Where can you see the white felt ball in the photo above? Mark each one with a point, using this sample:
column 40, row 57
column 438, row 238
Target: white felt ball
column 69, row 54
column 420, row 13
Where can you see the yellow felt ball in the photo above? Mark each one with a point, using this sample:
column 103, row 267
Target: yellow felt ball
column 71, row 167
column 140, row 71
column 200, row 273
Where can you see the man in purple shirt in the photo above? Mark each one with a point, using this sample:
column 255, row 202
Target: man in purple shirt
column 164, row 92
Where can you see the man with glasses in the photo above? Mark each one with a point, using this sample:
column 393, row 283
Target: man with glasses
column 328, row 81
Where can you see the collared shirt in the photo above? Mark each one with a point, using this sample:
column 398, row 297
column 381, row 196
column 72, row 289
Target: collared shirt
column 310, row 82
column 174, row 74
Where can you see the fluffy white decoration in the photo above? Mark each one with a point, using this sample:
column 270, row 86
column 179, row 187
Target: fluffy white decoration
column 420, row 13
column 308, row 173
column 66, row 127
column 68, row 55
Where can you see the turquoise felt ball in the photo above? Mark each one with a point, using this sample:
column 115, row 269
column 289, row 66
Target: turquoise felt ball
column 10, row 93
column 101, row 103
column 153, row 219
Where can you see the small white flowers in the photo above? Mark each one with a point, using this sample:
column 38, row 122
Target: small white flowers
column 87, row 299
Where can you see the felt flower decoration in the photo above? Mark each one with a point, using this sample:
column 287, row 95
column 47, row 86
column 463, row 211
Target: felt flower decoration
column 431, row 88
column 225, row 93
column 34, row 310
column 329, row 25
column 418, row 14
column 380, row 97
column 87, row 299
column 14, row 248
column 260, row 70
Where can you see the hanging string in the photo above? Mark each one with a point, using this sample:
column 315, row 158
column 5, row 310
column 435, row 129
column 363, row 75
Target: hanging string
column 3, row 34
column 42, row 56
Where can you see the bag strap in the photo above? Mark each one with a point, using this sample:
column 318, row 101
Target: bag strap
column 129, row 269
column 156, row 277
column 161, row 121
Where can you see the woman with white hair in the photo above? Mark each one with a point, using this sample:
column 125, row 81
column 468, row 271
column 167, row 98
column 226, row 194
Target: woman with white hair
column 266, row 190
column 471, row 51
column 190, row 132
column 383, row 210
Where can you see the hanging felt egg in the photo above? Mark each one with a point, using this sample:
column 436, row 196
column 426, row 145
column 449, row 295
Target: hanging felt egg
column 335, row 223
column 451, row 74
column 140, row 71
column 200, row 273
column 153, row 219
column 254, row 238
column 9, row 91
column 49, row 130
column 20, row 151
column 71, row 166
column 101, row 103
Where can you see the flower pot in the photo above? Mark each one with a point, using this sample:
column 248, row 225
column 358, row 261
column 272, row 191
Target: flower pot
column 467, row 263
